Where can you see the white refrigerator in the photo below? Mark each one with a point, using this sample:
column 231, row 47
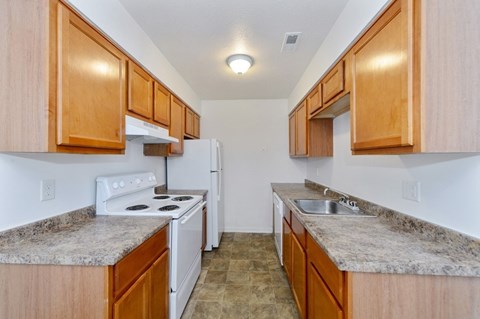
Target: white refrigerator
column 200, row 167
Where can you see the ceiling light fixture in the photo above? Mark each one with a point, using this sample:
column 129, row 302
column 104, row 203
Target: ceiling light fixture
column 240, row 63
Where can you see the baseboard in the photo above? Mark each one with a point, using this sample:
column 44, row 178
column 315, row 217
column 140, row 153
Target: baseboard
column 266, row 230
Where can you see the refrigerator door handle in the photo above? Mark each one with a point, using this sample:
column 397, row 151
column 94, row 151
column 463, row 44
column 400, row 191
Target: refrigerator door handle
column 219, row 157
column 219, row 183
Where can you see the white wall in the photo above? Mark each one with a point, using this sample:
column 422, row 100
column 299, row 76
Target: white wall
column 255, row 138
column 449, row 182
column 113, row 19
column 74, row 176
column 354, row 18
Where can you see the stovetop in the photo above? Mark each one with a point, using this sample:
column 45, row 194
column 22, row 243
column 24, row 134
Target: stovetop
column 133, row 195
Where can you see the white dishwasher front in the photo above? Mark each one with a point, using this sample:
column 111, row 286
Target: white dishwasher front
column 278, row 212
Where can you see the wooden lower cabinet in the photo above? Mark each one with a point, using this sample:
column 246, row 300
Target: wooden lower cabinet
column 321, row 303
column 137, row 287
column 135, row 302
column 287, row 249
column 299, row 276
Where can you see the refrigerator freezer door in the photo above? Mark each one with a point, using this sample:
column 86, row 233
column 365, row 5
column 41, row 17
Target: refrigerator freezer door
column 216, row 155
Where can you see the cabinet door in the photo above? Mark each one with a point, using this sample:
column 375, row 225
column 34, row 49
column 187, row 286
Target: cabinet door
column 134, row 304
column 381, row 113
column 91, row 89
column 177, row 115
column 301, row 140
column 314, row 100
column 196, row 125
column 333, row 83
column 299, row 276
column 287, row 249
column 140, row 86
column 204, row 228
column 160, row 288
column 321, row 303
column 161, row 105
column 189, row 122
column 291, row 134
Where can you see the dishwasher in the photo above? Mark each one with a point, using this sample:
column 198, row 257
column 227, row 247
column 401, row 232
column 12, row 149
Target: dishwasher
column 278, row 212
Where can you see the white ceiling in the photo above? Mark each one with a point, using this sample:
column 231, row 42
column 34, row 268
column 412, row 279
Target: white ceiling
column 197, row 36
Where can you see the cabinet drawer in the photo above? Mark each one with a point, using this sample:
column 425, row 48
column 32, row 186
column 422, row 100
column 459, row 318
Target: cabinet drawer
column 127, row 270
column 314, row 100
column 331, row 275
column 333, row 83
column 298, row 230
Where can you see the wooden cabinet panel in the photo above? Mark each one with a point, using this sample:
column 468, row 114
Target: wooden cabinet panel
column 287, row 249
column 314, row 100
column 321, row 303
column 204, row 228
column 137, row 262
column 177, row 122
column 291, row 134
column 140, row 91
column 134, row 304
column 161, row 105
column 299, row 276
column 333, row 277
column 91, row 86
column 196, row 126
column 301, row 127
column 189, row 118
column 382, row 112
column 299, row 231
column 159, row 287
column 333, row 83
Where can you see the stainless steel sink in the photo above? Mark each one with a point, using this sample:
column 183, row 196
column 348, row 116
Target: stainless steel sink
column 326, row 207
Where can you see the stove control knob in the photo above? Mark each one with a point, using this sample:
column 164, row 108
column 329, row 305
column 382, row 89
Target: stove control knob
column 115, row 185
column 122, row 184
column 137, row 180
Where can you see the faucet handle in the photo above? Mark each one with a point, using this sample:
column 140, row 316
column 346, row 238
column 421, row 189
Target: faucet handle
column 325, row 191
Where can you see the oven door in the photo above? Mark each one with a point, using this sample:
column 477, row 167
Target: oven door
column 185, row 245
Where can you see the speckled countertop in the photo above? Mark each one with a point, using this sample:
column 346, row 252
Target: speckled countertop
column 77, row 238
column 389, row 243
column 163, row 190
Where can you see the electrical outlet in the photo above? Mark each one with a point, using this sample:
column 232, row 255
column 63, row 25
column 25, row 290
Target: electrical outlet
column 318, row 171
column 411, row 190
column 47, row 189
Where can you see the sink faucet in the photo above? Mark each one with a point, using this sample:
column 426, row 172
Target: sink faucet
column 344, row 199
column 325, row 191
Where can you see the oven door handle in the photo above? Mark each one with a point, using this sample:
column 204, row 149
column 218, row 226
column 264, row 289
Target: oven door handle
column 197, row 208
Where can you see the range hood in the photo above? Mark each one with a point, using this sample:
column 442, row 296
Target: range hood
column 139, row 131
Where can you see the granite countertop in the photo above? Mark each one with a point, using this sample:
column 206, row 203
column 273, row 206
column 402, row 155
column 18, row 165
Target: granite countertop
column 162, row 190
column 388, row 243
column 78, row 238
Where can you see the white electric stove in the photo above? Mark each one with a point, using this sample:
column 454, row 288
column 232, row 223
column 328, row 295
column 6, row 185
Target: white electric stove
column 134, row 195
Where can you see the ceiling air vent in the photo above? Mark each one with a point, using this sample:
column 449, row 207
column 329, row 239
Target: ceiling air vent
column 290, row 41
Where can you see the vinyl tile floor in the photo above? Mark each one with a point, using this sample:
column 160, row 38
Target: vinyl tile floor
column 242, row 279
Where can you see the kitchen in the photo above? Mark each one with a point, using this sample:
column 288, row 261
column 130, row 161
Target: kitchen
column 446, row 178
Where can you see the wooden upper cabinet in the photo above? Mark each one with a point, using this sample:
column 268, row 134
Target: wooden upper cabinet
column 301, row 128
column 91, row 88
column 177, row 121
column 140, row 91
column 63, row 88
column 314, row 100
column 382, row 110
column 333, row 83
column 189, row 118
column 291, row 134
column 309, row 138
column 161, row 106
column 196, row 125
